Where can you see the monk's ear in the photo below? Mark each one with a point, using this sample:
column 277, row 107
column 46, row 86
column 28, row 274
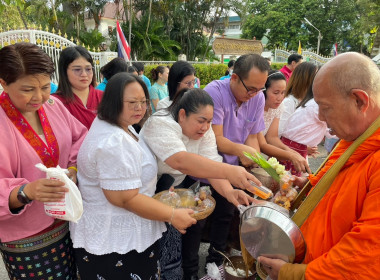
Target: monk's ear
column 361, row 99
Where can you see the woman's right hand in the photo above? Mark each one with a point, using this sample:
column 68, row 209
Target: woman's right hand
column 239, row 177
column 46, row 190
column 299, row 162
column 181, row 219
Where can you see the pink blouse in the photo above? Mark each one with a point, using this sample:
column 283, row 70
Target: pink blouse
column 18, row 160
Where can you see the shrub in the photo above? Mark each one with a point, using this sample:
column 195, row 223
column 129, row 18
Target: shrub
column 206, row 73
column 277, row 65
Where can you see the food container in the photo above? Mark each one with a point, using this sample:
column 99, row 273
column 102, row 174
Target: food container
column 266, row 179
column 238, row 262
column 267, row 230
column 200, row 212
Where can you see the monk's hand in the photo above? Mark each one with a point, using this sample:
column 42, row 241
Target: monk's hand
column 299, row 181
column 271, row 266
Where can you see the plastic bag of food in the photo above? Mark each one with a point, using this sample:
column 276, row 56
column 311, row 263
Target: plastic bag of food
column 188, row 199
column 171, row 198
column 204, row 192
column 287, row 193
column 70, row 208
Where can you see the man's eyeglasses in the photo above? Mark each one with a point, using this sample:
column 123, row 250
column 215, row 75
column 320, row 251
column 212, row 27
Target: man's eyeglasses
column 189, row 83
column 78, row 71
column 252, row 90
column 134, row 105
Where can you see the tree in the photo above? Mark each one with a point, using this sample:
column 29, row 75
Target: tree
column 95, row 9
column 282, row 21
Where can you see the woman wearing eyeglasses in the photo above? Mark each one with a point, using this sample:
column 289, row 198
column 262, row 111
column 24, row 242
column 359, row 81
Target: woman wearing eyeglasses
column 181, row 76
column 76, row 87
column 117, row 236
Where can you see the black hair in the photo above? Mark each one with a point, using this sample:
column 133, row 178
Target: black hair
column 113, row 67
column 139, row 66
column 158, row 70
column 246, row 62
column 294, row 57
column 231, row 63
column 178, row 71
column 191, row 100
column 23, row 59
column 67, row 56
column 273, row 75
column 112, row 103
column 132, row 69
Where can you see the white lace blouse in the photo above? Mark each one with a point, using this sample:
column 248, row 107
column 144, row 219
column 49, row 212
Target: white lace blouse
column 270, row 115
column 111, row 159
column 164, row 137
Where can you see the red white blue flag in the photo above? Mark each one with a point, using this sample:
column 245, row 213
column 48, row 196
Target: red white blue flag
column 335, row 49
column 123, row 49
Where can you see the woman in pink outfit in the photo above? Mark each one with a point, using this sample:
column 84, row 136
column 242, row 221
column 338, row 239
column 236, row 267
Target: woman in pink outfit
column 34, row 128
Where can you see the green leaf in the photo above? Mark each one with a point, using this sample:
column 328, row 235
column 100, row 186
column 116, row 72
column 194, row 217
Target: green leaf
column 262, row 162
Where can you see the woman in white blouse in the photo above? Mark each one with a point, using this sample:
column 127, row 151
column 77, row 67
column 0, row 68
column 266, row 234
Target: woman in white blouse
column 117, row 236
column 269, row 141
column 309, row 132
column 182, row 139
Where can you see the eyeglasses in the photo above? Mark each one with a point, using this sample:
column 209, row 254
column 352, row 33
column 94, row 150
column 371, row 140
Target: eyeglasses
column 252, row 90
column 134, row 105
column 189, row 83
column 78, row 71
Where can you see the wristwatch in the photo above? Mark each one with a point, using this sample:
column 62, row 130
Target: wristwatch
column 21, row 196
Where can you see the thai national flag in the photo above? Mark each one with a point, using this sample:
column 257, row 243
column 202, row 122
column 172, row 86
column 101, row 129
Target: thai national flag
column 335, row 49
column 123, row 49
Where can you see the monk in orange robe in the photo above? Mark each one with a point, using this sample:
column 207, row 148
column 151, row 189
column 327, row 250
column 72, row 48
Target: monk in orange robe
column 343, row 232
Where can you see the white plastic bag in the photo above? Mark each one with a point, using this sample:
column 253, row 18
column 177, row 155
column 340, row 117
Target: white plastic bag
column 70, row 208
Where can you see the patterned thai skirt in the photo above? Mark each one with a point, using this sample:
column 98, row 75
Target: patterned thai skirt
column 47, row 256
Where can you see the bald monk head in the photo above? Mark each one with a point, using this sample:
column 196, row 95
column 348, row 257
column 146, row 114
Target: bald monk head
column 347, row 90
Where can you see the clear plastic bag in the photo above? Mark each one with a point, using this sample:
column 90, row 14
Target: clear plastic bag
column 71, row 207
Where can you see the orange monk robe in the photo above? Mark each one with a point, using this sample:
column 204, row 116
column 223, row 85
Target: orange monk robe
column 343, row 232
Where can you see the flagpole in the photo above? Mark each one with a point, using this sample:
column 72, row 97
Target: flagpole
column 130, row 28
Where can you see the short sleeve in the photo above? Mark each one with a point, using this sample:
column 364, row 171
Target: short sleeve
column 208, row 148
column 163, row 135
column 289, row 107
column 259, row 125
column 214, row 91
column 153, row 94
column 119, row 163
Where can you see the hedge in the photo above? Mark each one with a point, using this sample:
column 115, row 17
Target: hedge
column 206, row 73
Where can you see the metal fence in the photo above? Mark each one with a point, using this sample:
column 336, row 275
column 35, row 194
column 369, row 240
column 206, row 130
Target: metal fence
column 53, row 44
